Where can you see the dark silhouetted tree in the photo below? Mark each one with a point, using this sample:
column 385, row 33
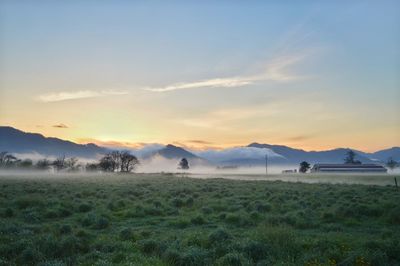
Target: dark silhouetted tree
column 25, row 164
column 304, row 166
column 128, row 162
column 59, row 163
column 7, row 160
column 43, row 164
column 183, row 164
column 92, row 167
column 350, row 158
column 107, row 163
column 71, row 164
column 391, row 164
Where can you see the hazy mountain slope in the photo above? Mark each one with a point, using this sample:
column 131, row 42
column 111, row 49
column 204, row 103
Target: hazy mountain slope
column 16, row 141
column 298, row 155
column 384, row 155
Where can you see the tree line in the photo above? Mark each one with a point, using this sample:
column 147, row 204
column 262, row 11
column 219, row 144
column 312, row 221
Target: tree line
column 114, row 161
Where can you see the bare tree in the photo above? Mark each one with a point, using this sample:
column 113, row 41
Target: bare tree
column 92, row 167
column 72, row 164
column 43, row 164
column 7, row 159
column 59, row 163
column 128, row 162
column 107, row 163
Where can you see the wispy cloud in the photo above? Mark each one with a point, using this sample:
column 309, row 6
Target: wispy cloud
column 60, row 126
column 74, row 95
column 274, row 71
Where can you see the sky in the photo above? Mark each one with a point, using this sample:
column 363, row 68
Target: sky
column 314, row 75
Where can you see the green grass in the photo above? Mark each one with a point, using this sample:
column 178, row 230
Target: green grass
column 167, row 220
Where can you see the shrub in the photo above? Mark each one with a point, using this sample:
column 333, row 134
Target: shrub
column 180, row 223
column 238, row 219
column 231, row 259
column 255, row 250
column 102, row 223
column 8, row 213
column 89, row 219
column 177, row 202
column 172, row 257
column 27, row 202
column 126, row 234
column 189, row 202
column 219, row 235
column 65, row 229
column 30, row 256
column 394, row 216
column 206, row 210
column 263, row 207
column 51, row 214
column 84, row 207
column 198, row 220
column 63, row 212
column 151, row 247
column 195, row 257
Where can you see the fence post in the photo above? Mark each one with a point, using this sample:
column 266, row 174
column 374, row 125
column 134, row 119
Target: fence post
column 395, row 181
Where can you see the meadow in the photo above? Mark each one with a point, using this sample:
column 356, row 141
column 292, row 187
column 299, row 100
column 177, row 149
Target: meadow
column 138, row 219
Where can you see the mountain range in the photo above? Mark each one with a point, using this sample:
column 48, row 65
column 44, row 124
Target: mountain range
column 19, row 142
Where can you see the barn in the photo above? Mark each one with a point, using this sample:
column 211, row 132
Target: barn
column 348, row 168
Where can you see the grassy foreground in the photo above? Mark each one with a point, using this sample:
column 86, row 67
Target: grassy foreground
column 167, row 220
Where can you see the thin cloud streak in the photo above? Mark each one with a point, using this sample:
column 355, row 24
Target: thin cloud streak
column 75, row 95
column 275, row 71
column 60, row 126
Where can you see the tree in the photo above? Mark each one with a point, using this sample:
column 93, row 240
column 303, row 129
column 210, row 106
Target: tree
column 115, row 160
column 350, row 158
column 128, row 162
column 107, row 163
column 71, row 164
column 183, row 164
column 92, row 167
column 7, row 159
column 25, row 164
column 121, row 161
column 43, row 164
column 391, row 164
column 304, row 166
column 59, row 163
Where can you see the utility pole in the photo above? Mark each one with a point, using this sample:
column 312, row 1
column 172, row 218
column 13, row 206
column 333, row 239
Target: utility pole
column 266, row 164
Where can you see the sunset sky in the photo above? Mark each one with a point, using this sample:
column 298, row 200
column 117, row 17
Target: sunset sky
column 204, row 74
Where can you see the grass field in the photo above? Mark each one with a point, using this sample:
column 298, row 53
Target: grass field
column 170, row 220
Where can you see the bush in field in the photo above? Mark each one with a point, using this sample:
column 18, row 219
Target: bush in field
column 65, row 229
column 220, row 235
column 102, row 223
column 30, row 256
column 8, row 213
column 151, row 246
column 231, row 259
column 394, row 216
column 84, row 207
column 195, row 257
column 255, row 250
column 126, row 234
column 198, row 220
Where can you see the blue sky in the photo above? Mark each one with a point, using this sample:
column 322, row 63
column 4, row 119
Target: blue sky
column 311, row 74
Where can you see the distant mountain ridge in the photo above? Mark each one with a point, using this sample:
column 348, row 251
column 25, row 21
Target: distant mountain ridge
column 16, row 141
